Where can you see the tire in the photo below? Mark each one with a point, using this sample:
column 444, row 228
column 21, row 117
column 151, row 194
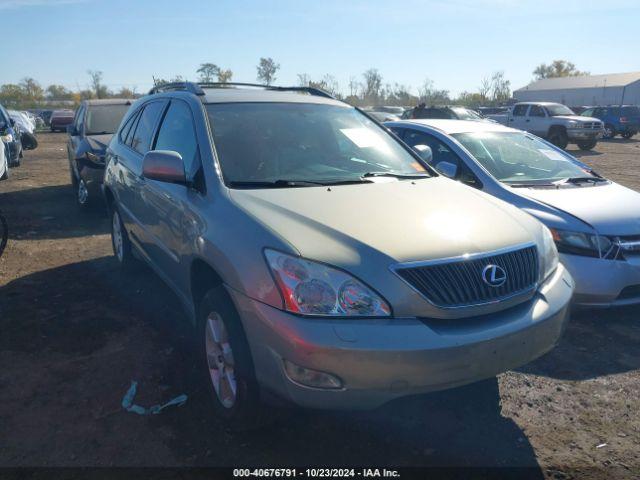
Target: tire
column 120, row 242
column 609, row 131
column 5, row 175
column 627, row 135
column 559, row 138
column 587, row 145
column 226, row 363
column 83, row 198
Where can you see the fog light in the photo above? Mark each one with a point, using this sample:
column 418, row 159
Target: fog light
column 311, row 378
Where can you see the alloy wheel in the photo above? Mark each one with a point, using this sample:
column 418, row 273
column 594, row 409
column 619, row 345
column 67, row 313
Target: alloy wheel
column 83, row 192
column 220, row 360
column 116, row 235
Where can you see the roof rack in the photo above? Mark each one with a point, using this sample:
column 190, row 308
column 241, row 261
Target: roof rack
column 196, row 88
column 177, row 86
column 310, row 90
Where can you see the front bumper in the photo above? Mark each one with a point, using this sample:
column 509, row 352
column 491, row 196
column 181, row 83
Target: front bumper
column 580, row 134
column 383, row 359
column 14, row 149
column 600, row 282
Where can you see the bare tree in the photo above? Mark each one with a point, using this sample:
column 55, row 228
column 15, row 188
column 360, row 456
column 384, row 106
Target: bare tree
column 354, row 86
column 500, row 87
column 99, row 90
column 303, row 80
column 485, row 89
column 372, row 86
column 267, row 69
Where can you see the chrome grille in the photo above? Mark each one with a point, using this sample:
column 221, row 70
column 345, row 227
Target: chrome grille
column 592, row 125
column 459, row 283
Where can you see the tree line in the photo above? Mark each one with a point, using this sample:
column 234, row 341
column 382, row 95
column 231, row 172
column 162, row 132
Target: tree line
column 368, row 89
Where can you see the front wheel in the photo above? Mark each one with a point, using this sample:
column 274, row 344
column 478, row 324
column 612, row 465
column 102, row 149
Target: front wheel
column 559, row 138
column 82, row 193
column 226, row 363
column 120, row 241
column 627, row 135
column 587, row 145
column 609, row 131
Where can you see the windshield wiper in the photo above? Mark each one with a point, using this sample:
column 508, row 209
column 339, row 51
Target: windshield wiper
column 100, row 133
column 272, row 184
column 396, row 175
column 580, row 180
column 294, row 183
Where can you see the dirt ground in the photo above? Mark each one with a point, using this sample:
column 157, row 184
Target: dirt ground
column 74, row 332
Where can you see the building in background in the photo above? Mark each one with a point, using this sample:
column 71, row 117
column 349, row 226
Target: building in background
column 611, row 89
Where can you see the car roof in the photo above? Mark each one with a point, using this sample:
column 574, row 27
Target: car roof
column 538, row 103
column 109, row 101
column 455, row 126
column 246, row 95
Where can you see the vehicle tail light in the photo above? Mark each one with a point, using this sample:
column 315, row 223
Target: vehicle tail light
column 624, row 119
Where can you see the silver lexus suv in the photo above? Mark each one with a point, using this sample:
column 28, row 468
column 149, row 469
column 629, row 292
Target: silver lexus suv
column 320, row 259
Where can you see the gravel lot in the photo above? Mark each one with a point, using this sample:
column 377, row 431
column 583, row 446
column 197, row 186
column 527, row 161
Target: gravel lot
column 75, row 332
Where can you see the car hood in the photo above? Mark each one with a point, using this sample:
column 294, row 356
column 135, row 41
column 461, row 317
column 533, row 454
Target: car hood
column 577, row 118
column 401, row 220
column 611, row 209
column 99, row 142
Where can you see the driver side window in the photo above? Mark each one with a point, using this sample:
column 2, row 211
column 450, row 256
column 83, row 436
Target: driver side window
column 442, row 153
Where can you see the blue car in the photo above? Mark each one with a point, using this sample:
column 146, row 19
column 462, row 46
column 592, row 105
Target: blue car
column 618, row 120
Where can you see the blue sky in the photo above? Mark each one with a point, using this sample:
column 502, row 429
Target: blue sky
column 455, row 43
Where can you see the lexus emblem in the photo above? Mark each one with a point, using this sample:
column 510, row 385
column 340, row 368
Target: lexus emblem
column 494, row 276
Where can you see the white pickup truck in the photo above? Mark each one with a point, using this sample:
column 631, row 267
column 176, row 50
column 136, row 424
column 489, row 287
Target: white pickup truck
column 553, row 122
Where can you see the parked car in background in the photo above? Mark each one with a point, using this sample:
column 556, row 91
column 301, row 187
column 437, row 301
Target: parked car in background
column 383, row 116
column 485, row 111
column 554, row 122
column 46, row 116
column 11, row 136
column 60, row 120
column 594, row 221
column 618, row 120
column 389, row 109
column 4, row 163
column 26, row 128
column 89, row 134
column 285, row 250
column 448, row 112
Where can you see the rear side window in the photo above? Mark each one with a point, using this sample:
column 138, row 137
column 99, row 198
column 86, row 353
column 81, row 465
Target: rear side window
column 536, row 111
column 178, row 134
column 631, row 111
column 148, row 119
column 126, row 128
column 520, row 110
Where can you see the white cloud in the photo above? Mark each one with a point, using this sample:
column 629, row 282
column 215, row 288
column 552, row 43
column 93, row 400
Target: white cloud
column 14, row 4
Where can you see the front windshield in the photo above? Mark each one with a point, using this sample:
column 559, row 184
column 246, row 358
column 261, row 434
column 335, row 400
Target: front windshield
column 515, row 157
column 103, row 119
column 466, row 114
column 270, row 142
column 557, row 109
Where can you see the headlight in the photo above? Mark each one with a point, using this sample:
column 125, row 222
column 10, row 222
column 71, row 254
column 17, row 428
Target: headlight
column 575, row 125
column 8, row 138
column 312, row 288
column 92, row 157
column 578, row 243
column 549, row 255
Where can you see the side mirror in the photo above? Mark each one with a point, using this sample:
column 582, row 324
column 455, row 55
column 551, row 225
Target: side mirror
column 72, row 130
column 424, row 151
column 447, row 169
column 164, row 166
